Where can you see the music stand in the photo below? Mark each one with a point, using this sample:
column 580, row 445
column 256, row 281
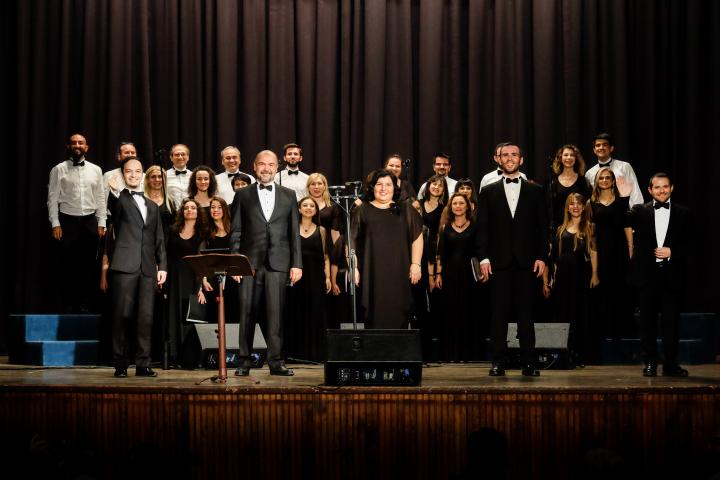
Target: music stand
column 218, row 266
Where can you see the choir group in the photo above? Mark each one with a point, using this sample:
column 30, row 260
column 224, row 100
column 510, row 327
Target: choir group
column 456, row 261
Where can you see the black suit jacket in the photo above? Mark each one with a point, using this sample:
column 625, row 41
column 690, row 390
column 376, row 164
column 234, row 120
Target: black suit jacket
column 641, row 218
column 508, row 240
column 278, row 239
column 135, row 244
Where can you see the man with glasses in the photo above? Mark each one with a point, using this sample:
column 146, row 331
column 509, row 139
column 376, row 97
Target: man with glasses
column 442, row 167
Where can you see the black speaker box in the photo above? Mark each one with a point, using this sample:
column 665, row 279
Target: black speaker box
column 373, row 357
column 551, row 345
column 208, row 346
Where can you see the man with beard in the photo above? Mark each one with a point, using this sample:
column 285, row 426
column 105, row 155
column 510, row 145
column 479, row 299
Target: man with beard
column 442, row 167
column 658, row 235
column 512, row 241
column 76, row 207
column 265, row 228
column 291, row 177
column 138, row 263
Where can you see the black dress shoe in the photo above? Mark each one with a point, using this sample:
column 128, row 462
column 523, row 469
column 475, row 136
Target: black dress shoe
column 282, row 371
column 530, row 371
column 674, row 371
column 497, row 370
column 650, row 369
column 145, row 372
column 120, row 372
column 242, row 372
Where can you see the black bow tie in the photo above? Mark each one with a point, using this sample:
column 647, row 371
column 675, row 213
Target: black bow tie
column 512, row 180
column 133, row 192
column 179, row 172
column 499, row 172
column 606, row 164
column 81, row 163
column 293, row 172
column 265, row 187
column 233, row 175
column 662, row 205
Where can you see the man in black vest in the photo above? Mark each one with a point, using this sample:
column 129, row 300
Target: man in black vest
column 512, row 243
column 658, row 241
column 266, row 229
column 137, row 264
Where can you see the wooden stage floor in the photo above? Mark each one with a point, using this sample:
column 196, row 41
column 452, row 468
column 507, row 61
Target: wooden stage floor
column 559, row 425
column 448, row 377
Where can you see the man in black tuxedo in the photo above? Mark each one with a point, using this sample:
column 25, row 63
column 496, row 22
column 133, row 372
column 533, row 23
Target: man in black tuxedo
column 265, row 228
column 512, row 243
column 137, row 264
column 658, row 241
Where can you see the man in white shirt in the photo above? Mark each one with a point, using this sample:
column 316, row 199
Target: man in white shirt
column 178, row 177
column 231, row 159
column 77, row 212
column 624, row 173
column 441, row 166
column 495, row 175
column 291, row 177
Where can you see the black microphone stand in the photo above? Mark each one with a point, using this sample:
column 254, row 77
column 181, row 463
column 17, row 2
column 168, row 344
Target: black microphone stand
column 345, row 196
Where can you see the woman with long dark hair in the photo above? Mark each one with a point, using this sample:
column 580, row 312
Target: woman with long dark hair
column 203, row 187
column 568, row 176
column 185, row 238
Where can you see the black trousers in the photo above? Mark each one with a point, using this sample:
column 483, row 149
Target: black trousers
column 512, row 300
column 132, row 299
column 262, row 300
column 653, row 298
column 79, row 263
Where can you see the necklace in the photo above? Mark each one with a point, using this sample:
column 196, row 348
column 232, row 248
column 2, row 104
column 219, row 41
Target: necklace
column 461, row 226
column 307, row 229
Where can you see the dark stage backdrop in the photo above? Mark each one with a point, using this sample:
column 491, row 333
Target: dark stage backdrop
column 353, row 81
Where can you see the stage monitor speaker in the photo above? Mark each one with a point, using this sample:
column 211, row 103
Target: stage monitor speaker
column 207, row 337
column 551, row 345
column 373, row 357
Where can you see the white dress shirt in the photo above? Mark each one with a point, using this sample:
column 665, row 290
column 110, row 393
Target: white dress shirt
column 450, row 184
column 493, row 177
column 620, row 169
column 296, row 182
column 77, row 191
column 142, row 206
column 177, row 186
column 225, row 187
column 662, row 221
column 512, row 194
column 267, row 200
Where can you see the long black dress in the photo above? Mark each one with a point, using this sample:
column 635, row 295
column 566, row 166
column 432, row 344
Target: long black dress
column 383, row 239
column 612, row 302
column 430, row 321
column 571, row 294
column 181, row 284
column 557, row 194
column 461, row 338
column 305, row 312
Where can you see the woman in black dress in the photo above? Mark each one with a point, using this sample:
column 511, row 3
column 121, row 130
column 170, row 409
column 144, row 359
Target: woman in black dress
column 155, row 190
column 218, row 240
column 612, row 303
column 568, row 176
column 387, row 236
column 185, row 238
column 574, row 273
column 461, row 327
column 305, row 315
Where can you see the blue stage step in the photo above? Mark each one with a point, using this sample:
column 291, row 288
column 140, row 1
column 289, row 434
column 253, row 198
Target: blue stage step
column 53, row 340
